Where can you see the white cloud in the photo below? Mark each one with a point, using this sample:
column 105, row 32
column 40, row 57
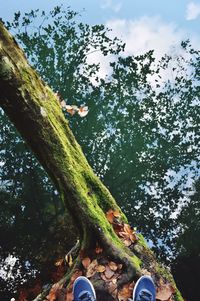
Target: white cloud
column 143, row 34
column 109, row 4
column 146, row 33
column 193, row 11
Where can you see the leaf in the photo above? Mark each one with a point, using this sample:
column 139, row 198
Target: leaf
column 113, row 266
column 164, row 292
column 75, row 275
column 63, row 104
column 108, row 272
column 100, row 268
column 70, row 110
column 111, row 214
column 112, row 288
column 69, row 260
column 69, row 296
column 128, row 235
column 98, row 250
column 83, row 111
column 120, row 266
column 126, row 292
column 116, row 213
column 86, row 262
column 127, row 242
column 59, row 262
column 52, row 296
column 92, row 269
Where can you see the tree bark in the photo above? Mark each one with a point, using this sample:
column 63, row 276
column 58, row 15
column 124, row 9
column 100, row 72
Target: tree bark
column 36, row 112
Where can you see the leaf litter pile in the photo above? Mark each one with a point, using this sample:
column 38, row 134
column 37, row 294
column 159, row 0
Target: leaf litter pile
column 106, row 271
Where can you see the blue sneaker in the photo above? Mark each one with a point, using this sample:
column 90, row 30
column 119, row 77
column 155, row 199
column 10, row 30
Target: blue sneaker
column 83, row 290
column 144, row 289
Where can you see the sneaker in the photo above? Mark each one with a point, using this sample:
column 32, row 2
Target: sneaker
column 83, row 290
column 144, row 289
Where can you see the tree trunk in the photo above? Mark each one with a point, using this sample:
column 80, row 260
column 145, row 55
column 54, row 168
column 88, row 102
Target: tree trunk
column 36, row 112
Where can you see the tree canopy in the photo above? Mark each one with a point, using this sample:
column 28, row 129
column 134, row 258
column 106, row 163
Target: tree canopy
column 141, row 135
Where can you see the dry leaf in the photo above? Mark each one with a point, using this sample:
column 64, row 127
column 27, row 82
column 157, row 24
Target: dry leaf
column 69, row 296
column 100, row 268
column 111, row 214
column 112, row 288
column 104, row 277
column 63, row 104
column 75, row 275
column 83, row 111
column 59, row 262
column 126, row 292
column 120, row 265
column 71, row 109
column 98, row 250
column 52, row 296
column 108, row 272
column 113, row 266
column 164, row 292
column 116, row 213
column 91, row 268
column 127, row 242
column 86, row 262
column 69, row 260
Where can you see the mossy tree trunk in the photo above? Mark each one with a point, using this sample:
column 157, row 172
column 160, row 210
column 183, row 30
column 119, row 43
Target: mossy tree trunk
column 35, row 111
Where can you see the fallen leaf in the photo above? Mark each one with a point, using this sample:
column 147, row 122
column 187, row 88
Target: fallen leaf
column 98, row 250
column 75, row 275
column 86, row 262
column 126, row 292
column 127, row 242
column 63, row 104
column 118, row 228
column 83, row 111
column 164, row 292
column 69, row 260
column 120, row 265
column 108, row 272
column 145, row 272
column 52, row 296
column 113, row 266
column 91, row 268
column 69, row 296
column 128, row 229
column 100, row 268
column 110, row 216
column 71, row 109
column 104, row 277
column 112, row 288
column 116, row 213
column 59, row 262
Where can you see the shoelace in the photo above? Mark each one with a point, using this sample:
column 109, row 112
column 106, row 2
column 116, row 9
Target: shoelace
column 145, row 296
column 86, row 297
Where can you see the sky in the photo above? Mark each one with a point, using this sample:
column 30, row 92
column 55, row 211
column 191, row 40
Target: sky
column 142, row 24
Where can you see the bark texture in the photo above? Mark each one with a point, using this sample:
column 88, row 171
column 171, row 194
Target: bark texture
column 35, row 111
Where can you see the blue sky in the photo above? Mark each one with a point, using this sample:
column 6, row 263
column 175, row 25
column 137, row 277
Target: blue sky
column 143, row 24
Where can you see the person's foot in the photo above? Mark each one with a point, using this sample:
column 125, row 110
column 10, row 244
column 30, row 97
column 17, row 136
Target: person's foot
column 144, row 289
column 83, row 290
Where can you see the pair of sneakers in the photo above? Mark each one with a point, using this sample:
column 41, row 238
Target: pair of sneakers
column 144, row 290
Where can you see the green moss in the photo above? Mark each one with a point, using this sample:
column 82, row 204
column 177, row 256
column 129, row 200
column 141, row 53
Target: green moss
column 142, row 240
column 178, row 296
column 6, row 68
